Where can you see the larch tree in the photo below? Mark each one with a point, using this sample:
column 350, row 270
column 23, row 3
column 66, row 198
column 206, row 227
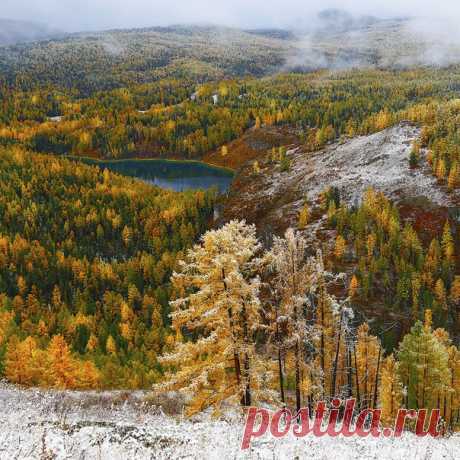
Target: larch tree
column 217, row 314
column 62, row 364
column 368, row 365
column 293, row 278
column 340, row 246
column 391, row 391
column 330, row 333
column 452, row 397
column 447, row 244
column 16, row 362
column 304, row 216
column 353, row 288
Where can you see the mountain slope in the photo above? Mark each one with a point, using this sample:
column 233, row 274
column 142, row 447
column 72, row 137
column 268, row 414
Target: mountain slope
column 105, row 60
column 274, row 198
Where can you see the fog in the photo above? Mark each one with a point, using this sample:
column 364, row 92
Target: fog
column 76, row 15
column 428, row 35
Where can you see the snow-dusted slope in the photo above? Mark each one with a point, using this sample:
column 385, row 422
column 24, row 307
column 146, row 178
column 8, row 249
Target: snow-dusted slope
column 379, row 160
column 72, row 425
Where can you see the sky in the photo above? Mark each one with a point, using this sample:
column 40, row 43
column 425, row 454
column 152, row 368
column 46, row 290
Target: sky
column 76, row 15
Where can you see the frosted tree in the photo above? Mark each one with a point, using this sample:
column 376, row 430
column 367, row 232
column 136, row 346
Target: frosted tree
column 215, row 317
column 292, row 283
column 305, row 313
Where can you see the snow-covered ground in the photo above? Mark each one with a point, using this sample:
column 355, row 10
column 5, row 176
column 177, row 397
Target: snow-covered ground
column 72, row 425
column 380, row 160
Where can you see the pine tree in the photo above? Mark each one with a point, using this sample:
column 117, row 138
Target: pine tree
column 423, row 368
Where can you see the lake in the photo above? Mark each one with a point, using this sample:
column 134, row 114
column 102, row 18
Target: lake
column 170, row 174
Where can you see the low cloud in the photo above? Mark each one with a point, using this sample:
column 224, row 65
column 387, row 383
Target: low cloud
column 431, row 36
column 74, row 15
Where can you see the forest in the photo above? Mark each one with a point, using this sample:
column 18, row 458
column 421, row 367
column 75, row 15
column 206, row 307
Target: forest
column 180, row 118
column 108, row 282
column 261, row 327
column 85, row 261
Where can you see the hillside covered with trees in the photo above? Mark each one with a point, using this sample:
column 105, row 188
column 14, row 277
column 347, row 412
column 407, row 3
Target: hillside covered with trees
column 108, row 282
column 85, row 261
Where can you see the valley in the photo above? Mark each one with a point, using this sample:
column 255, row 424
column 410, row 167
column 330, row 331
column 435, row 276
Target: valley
column 196, row 219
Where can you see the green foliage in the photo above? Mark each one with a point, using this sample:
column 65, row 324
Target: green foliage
column 393, row 264
column 423, row 368
column 62, row 279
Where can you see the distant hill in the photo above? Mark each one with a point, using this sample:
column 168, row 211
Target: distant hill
column 12, row 32
column 97, row 61
column 93, row 61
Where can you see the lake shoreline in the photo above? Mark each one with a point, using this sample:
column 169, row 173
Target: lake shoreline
column 97, row 161
column 177, row 175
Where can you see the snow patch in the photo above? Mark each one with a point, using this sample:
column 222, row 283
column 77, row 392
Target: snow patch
column 75, row 425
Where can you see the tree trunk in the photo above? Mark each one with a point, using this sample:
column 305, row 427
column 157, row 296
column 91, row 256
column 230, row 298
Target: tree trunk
column 247, row 377
column 336, row 359
column 236, row 358
column 376, row 380
column 358, row 395
column 297, row 377
column 281, row 376
column 349, row 373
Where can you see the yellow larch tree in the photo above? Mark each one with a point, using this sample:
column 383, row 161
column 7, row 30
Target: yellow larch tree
column 111, row 346
column 391, row 391
column 340, row 246
column 17, row 361
column 368, row 365
column 353, row 288
column 217, row 313
column 304, row 216
column 63, row 366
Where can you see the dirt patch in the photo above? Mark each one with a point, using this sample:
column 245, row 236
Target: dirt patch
column 251, row 146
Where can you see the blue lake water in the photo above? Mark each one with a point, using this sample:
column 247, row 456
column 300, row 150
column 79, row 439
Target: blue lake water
column 173, row 175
